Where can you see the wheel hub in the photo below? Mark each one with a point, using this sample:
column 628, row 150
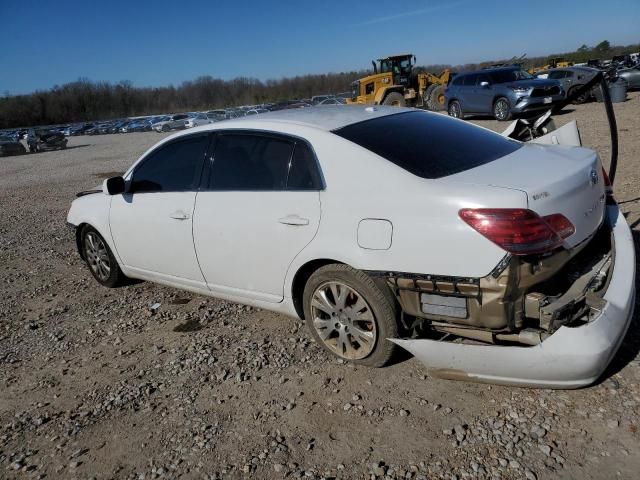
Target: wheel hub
column 343, row 320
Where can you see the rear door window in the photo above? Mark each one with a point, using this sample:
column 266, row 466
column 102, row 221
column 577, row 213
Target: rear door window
column 264, row 162
column 428, row 145
column 250, row 162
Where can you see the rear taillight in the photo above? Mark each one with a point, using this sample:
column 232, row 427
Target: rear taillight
column 608, row 189
column 518, row 230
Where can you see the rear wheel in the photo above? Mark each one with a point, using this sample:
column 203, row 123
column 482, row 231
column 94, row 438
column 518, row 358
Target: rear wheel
column 580, row 99
column 165, row 128
column 351, row 315
column 455, row 110
column 101, row 261
column 502, row 109
column 395, row 99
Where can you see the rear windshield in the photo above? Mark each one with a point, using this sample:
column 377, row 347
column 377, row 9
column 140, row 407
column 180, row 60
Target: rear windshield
column 428, row 145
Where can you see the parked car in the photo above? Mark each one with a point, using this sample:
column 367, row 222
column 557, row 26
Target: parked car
column 174, row 122
column 217, row 115
column 196, row 120
column 570, row 79
column 480, row 237
column 501, row 92
column 44, row 139
column 10, row 146
column 631, row 75
column 333, row 101
column 256, row 111
column 316, row 99
column 80, row 129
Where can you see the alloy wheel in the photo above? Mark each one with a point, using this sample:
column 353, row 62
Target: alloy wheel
column 343, row 320
column 97, row 256
column 501, row 109
column 454, row 110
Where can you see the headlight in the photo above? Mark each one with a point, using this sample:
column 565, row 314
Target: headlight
column 520, row 89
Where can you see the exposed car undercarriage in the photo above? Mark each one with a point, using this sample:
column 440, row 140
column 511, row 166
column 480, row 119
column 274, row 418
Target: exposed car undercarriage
column 522, row 301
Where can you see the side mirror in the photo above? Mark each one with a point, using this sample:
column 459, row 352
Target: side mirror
column 484, row 84
column 114, row 186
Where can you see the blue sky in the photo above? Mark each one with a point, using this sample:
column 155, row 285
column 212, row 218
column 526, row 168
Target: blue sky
column 153, row 43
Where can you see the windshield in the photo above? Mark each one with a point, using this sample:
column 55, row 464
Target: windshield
column 504, row 76
column 427, row 144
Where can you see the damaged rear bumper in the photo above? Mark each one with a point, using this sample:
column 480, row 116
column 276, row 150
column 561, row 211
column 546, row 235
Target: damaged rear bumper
column 572, row 357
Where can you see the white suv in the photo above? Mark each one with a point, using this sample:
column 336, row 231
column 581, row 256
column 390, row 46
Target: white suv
column 382, row 226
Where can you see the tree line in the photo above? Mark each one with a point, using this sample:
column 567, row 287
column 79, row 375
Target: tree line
column 85, row 100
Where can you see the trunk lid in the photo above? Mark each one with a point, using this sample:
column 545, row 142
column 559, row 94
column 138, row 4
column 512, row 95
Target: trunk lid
column 556, row 179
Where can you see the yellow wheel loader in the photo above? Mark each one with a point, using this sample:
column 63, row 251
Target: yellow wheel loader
column 396, row 81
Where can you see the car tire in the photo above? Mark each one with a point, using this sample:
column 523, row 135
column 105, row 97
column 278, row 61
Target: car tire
column 501, row 109
column 580, row 99
column 331, row 320
column 100, row 259
column 165, row 128
column 455, row 110
column 395, row 99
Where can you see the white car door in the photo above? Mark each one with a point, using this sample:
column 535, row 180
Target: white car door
column 259, row 207
column 151, row 224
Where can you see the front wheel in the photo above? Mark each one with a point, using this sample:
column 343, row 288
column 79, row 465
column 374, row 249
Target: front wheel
column 455, row 110
column 502, row 109
column 395, row 99
column 101, row 261
column 351, row 315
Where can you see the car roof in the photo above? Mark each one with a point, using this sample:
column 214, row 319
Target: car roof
column 327, row 117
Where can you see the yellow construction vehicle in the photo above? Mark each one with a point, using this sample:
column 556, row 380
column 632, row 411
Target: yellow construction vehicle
column 396, row 81
column 557, row 62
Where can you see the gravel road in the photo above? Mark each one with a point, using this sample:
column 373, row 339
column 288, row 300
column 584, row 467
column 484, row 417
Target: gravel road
column 99, row 383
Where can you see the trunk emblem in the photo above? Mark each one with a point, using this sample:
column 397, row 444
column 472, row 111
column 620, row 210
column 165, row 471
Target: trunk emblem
column 593, row 177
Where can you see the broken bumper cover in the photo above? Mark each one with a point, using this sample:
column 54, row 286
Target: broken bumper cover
column 570, row 358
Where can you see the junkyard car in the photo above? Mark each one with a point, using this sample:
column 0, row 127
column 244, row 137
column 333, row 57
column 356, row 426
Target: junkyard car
column 10, row 146
column 631, row 75
column 571, row 78
column 174, row 122
column 501, row 92
column 196, row 120
column 382, row 226
column 44, row 139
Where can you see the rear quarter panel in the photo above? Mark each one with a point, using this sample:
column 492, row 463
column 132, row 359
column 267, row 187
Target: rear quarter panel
column 428, row 236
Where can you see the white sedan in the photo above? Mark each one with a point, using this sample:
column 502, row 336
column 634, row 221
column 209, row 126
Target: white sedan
column 487, row 258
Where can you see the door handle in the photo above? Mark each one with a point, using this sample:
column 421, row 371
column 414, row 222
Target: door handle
column 294, row 220
column 179, row 215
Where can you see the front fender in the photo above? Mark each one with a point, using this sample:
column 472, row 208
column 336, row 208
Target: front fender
column 93, row 209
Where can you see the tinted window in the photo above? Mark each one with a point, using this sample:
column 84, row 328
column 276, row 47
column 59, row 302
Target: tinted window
column 303, row 172
column 470, row 80
column 557, row 74
column 504, row 76
column 428, row 145
column 250, row 162
column 483, row 78
column 172, row 167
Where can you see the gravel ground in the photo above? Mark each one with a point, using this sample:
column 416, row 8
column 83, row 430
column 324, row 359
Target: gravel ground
column 99, row 383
